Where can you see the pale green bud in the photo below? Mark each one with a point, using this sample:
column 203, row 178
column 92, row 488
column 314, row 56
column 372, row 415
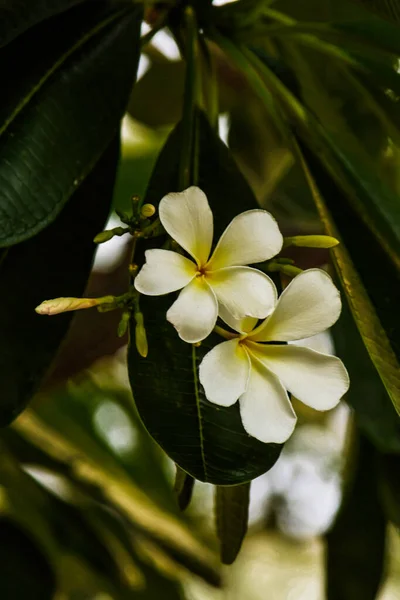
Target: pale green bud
column 123, row 324
column 311, row 241
column 140, row 335
column 61, row 305
column 147, row 211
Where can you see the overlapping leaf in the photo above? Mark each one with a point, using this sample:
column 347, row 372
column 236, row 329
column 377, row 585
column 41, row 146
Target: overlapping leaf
column 63, row 103
column 18, row 15
column 56, row 262
column 205, row 440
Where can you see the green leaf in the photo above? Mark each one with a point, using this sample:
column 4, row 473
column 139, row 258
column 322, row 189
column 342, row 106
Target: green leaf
column 24, row 569
column 374, row 412
column 18, row 15
column 56, row 120
column 356, row 544
column 183, row 487
column 232, row 515
column 371, row 282
column 205, row 440
column 56, row 262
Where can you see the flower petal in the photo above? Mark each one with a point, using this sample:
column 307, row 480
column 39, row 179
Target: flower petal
column 317, row 379
column 251, row 237
column 243, row 291
column 195, row 312
column 224, row 373
column 164, row 272
column 310, row 304
column 265, row 408
column 244, row 325
column 188, row 219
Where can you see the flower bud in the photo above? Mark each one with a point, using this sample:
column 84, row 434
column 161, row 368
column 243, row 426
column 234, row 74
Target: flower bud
column 123, row 324
column 147, row 211
column 140, row 335
column 311, row 241
column 61, row 305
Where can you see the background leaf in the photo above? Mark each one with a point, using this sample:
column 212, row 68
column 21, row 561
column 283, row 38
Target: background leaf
column 64, row 111
column 205, row 440
column 18, row 15
column 232, row 515
column 56, row 262
column 356, row 543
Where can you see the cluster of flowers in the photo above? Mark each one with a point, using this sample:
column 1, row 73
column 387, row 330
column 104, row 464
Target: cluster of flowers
column 258, row 364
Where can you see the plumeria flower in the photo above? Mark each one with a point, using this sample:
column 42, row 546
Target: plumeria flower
column 210, row 284
column 255, row 368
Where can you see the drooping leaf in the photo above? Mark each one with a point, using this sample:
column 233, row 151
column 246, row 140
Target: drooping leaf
column 183, row 488
column 205, row 440
column 232, row 515
column 374, row 412
column 356, row 543
column 56, row 262
column 18, row 15
column 368, row 277
column 56, row 120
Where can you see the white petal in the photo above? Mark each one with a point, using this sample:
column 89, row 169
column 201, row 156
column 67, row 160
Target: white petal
column 265, row 408
column 251, row 237
column 195, row 312
column 318, row 380
column 244, row 325
column 321, row 342
column 164, row 272
column 188, row 219
column 310, row 304
column 224, row 373
column 243, row 291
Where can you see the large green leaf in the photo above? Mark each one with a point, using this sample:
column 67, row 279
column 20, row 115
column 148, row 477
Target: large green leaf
column 56, row 120
column 18, row 15
column 356, row 543
column 205, row 440
column 54, row 263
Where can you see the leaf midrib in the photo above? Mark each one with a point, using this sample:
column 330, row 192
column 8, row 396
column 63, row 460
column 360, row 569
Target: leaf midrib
column 196, row 393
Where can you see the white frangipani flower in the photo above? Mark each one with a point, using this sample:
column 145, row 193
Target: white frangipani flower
column 256, row 369
column 219, row 282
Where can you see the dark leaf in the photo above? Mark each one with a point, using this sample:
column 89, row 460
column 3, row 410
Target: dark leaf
column 389, row 466
column 56, row 262
column 24, row 570
column 232, row 515
column 205, row 440
column 356, row 543
column 72, row 84
column 18, row 15
column 183, row 487
column 389, row 9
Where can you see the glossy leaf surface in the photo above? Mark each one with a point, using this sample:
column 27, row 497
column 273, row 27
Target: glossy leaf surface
column 62, row 109
column 205, row 440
